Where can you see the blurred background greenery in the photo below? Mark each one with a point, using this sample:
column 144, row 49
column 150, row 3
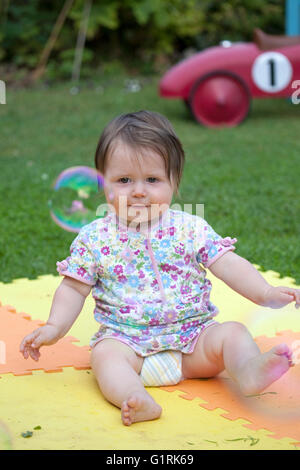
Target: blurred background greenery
column 247, row 177
column 140, row 35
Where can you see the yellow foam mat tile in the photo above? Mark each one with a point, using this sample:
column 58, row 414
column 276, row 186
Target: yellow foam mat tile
column 71, row 413
column 34, row 297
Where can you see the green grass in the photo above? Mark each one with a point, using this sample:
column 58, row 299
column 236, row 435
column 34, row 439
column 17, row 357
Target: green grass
column 247, row 177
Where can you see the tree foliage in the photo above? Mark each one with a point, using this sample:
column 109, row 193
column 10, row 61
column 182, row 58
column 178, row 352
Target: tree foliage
column 130, row 30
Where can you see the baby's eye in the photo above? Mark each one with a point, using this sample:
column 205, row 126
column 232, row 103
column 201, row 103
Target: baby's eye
column 152, row 179
column 124, row 180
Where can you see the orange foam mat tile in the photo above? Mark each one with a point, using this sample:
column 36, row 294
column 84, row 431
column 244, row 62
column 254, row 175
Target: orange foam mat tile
column 276, row 410
column 14, row 326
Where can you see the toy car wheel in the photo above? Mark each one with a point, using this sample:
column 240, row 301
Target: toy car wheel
column 219, row 99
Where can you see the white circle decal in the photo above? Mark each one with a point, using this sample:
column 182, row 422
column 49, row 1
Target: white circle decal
column 272, row 71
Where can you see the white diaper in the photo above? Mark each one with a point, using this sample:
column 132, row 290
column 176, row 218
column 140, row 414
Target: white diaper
column 163, row 368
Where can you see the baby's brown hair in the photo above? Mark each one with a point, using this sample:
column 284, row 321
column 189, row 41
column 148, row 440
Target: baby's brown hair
column 142, row 130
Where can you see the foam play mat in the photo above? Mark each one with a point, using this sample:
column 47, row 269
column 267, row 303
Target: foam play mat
column 55, row 403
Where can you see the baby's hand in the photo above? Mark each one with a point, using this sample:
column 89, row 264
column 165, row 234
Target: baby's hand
column 45, row 335
column 278, row 297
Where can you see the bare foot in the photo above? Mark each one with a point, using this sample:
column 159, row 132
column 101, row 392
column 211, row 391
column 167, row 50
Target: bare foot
column 139, row 406
column 259, row 372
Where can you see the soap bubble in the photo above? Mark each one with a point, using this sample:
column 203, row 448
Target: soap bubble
column 77, row 198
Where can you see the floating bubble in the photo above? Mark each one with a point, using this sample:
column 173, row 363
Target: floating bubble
column 78, row 198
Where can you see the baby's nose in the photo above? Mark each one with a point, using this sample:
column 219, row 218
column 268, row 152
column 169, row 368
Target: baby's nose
column 139, row 189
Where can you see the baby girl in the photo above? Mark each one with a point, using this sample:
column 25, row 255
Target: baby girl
column 146, row 265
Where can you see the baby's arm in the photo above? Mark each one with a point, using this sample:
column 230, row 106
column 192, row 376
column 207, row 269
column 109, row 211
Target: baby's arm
column 242, row 277
column 67, row 304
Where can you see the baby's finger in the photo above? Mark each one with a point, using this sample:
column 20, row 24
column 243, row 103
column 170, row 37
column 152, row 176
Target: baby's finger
column 28, row 340
column 34, row 354
column 24, row 343
column 295, row 293
column 25, row 352
column 24, row 348
column 30, row 352
column 297, row 298
column 286, row 297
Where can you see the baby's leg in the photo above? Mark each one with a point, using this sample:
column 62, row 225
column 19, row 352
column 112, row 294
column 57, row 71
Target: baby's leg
column 230, row 346
column 116, row 367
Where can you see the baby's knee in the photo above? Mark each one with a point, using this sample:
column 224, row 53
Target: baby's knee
column 233, row 328
column 101, row 351
column 109, row 350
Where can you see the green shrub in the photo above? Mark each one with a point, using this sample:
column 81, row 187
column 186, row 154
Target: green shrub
column 143, row 33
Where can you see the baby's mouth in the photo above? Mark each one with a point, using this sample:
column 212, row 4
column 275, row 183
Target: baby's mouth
column 139, row 208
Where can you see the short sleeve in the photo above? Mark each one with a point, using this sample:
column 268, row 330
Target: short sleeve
column 81, row 263
column 210, row 246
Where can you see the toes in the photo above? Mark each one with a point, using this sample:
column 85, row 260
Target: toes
column 125, row 414
column 290, row 358
column 133, row 402
column 282, row 350
column 125, row 407
column 126, row 421
column 289, row 354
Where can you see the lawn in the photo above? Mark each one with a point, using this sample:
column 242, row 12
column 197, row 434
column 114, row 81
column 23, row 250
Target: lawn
column 246, row 177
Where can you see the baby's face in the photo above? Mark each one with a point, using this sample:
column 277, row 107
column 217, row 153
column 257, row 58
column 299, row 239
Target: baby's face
column 139, row 189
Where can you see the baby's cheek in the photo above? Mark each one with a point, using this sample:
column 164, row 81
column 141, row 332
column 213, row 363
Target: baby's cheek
column 119, row 200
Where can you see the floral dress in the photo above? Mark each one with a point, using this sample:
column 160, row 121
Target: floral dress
column 150, row 288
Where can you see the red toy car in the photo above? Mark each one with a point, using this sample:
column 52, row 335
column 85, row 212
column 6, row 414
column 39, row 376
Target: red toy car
column 217, row 84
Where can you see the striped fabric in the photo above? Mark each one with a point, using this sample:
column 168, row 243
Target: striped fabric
column 163, row 368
